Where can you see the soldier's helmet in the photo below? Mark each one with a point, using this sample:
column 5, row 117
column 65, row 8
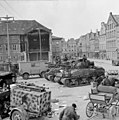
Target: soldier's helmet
column 74, row 105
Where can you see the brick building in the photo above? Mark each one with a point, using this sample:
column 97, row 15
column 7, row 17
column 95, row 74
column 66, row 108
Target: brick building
column 72, row 47
column 112, row 37
column 83, row 44
column 57, row 46
column 102, row 41
column 28, row 41
column 92, row 44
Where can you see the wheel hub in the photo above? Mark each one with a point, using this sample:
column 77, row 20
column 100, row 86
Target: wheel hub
column 17, row 117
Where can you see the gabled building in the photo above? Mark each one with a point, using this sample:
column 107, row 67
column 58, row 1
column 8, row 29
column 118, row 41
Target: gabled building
column 64, row 48
column 112, row 36
column 79, row 47
column 28, row 40
column 96, row 43
column 88, row 44
column 57, row 46
column 102, row 41
column 83, row 44
column 72, row 47
column 92, row 44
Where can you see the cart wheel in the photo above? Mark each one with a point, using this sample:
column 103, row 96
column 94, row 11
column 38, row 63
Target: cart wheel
column 89, row 109
column 43, row 74
column 25, row 76
column 16, row 115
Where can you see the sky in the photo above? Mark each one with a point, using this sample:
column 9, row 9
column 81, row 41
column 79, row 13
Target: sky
column 66, row 18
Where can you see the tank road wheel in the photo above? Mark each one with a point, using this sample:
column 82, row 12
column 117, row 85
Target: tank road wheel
column 16, row 115
column 67, row 83
column 46, row 77
column 89, row 109
column 25, row 76
column 51, row 78
column 76, row 83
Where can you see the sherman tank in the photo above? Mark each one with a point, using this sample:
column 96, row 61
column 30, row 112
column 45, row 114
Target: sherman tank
column 80, row 72
column 55, row 70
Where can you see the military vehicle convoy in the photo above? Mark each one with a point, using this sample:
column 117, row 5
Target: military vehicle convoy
column 75, row 73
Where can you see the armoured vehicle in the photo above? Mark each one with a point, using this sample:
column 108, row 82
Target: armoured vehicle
column 79, row 72
column 26, row 69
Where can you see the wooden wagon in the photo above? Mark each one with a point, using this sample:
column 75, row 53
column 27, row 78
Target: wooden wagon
column 104, row 100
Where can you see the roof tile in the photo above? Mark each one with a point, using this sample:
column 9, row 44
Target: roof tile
column 20, row 26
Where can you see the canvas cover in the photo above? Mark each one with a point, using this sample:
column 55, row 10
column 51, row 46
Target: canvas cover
column 32, row 100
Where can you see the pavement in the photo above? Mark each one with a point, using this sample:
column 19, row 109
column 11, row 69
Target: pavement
column 64, row 96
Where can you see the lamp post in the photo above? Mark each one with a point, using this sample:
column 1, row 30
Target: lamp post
column 8, row 42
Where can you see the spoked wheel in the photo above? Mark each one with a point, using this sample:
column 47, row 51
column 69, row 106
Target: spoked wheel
column 89, row 109
column 16, row 115
column 25, row 76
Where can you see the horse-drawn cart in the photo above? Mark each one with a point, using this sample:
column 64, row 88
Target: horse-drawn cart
column 103, row 100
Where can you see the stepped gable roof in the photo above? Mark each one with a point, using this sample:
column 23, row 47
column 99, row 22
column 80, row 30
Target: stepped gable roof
column 103, row 23
column 77, row 40
column 116, row 17
column 20, row 26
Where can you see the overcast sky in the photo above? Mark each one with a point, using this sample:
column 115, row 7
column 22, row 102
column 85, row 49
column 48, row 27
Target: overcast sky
column 66, row 18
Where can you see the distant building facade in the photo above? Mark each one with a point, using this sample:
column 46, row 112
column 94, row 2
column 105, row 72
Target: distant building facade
column 103, row 44
column 57, row 46
column 96, row 44
column 72, row 47
column 102, row 41
column 112, row 37
column 84, row 44
column 79, row 47
column 64, row 48
column 92, row 45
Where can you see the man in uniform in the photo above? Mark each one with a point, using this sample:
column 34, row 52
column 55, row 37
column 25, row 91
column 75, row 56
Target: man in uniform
column 84, row 58
column 69, row 113
column 106, row 81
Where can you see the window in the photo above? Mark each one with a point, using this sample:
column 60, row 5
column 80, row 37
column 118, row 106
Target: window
column 14, row 47
column 6, row 48
column 1, row 58
column 1, row 48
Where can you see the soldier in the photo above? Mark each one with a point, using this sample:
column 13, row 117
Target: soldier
column 84, row 58
column 99, row 80
column 69, row 113
column 106, row 81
